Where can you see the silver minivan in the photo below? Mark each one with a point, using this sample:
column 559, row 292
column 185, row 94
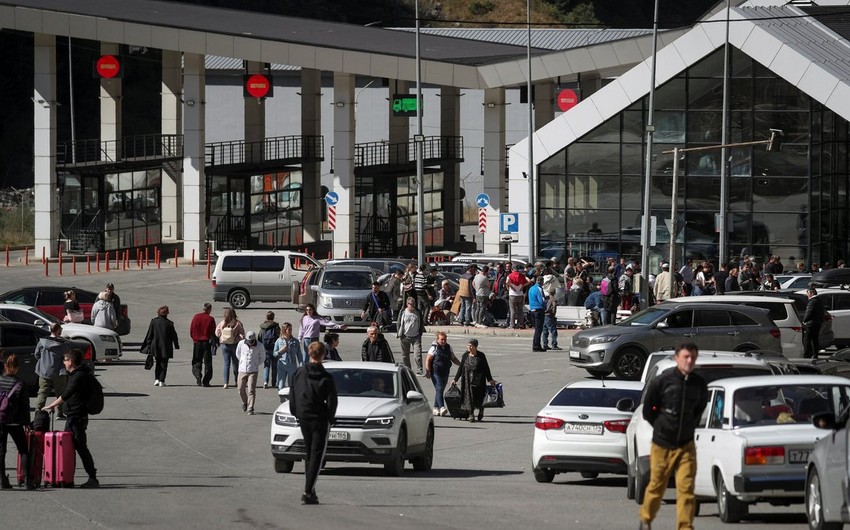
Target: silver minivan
column 245, row 276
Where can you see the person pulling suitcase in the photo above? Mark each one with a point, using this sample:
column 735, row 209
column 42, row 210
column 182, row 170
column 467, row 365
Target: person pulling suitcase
column 14, row 415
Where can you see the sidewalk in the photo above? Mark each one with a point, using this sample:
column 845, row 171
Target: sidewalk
column 496, row 331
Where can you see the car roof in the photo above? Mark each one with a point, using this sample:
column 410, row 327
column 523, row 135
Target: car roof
column 734, row 383
column 47, row 288
column 349, row 268
column 19, row 306
column 616, row 384
column 360, row 365
column 738, row 359
column 222, row 253
column 727, row 298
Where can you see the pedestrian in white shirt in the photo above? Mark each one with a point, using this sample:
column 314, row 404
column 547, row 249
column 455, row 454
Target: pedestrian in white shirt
column 250, row 355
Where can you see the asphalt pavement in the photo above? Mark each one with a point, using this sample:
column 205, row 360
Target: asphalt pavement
column 184, row 456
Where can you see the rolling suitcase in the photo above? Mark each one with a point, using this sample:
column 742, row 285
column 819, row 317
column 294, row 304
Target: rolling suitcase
column 454, row 403
column 35, row 448
column 60, row 460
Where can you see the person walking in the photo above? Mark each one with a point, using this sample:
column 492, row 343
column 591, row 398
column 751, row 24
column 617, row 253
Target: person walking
column 313, row 401
column 202, row 332
column 411, row 326
column 673, row 405
column 375, row 348
column 462, row 305
column 627, row 290
column 114, row 299
column 376, row 308
column 515, row 283
column 311, row 327
column 102, row 312
column 269, row 333
column 813, row 318
column 331, row 341
column 610, row 296
column 474, row 374
column 420, row 284
column 16, row 417
column 250, row 353
column 80, row 386
column 481, row 286
column 438, row 365
column 71, row 308
column 49, row 368
column 161, row 341
column 287, row 351
column 229, row 332
column 536, row 308
column 550, row 321
column 663, row 284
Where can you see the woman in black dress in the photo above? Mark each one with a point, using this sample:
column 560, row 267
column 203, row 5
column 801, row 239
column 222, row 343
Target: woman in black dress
column 474, row 374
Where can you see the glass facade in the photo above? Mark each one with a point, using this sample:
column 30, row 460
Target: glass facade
column 792, row 203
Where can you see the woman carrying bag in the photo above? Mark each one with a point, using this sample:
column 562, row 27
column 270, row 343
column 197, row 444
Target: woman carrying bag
column 474, row 374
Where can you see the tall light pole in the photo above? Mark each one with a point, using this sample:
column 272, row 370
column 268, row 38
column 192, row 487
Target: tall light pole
column 532, row 232
column 418, row 140
column 647, row 185
column 724, row 158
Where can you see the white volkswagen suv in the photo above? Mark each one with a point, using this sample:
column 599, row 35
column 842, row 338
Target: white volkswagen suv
column 383, row 417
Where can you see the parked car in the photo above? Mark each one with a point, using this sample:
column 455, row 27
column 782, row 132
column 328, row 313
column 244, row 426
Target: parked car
column 383, row 266
column 383, row 417
column 50, row 299
column 827, row 479
column 754, row 442
column 580, row 429
column 622, row 348
column 793, row 281
column 21, row 339
column 245, row 276
column 105, row 343
column 825, row 366
column 837, row 303
column 341, row 291
column 302, row 291
column 711, row 366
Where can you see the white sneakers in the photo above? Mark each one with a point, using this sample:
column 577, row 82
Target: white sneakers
column 436, row 411
column 226, row 386
column 265, row 385
column 158, row 383
column 444, row 411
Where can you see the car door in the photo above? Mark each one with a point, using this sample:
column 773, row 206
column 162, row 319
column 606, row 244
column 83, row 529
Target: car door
column 706, row 440
column 21, row 340
column 679, row 327
column 840, row 311
column 836, row 470
column 297, row 266
column 269, row 278
column 51, row 302
column 716, row 331
column 416, row 412
column 21, row 315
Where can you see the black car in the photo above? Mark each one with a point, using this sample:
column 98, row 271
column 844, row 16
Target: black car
column 824, row 366
column 21, row 340
column 51, row 299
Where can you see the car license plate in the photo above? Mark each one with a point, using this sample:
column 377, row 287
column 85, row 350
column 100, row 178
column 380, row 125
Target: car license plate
column 348, row 319
column 574, row 354
column 572, row 427
column 798, row 456
column 338, row 436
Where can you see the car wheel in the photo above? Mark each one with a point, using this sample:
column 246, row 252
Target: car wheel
column 630, row 483
column 599, row 374
column 544, row 475
column 239, row 299
column 589, row 474
column 628, row 364
column 814, row 504
column 395, row 468
column 641, row 482
column 729, row 508
column 424, row 462
column 283, row 466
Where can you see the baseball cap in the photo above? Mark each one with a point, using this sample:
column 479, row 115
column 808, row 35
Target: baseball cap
column 665, row 265
column 251, row 336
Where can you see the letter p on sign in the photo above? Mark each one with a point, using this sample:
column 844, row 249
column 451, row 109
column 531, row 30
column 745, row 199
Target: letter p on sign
column 508, row 223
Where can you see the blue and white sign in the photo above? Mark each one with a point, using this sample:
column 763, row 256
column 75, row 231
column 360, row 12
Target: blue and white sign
column 332, row 198
column 508, row 223
column 482, row 200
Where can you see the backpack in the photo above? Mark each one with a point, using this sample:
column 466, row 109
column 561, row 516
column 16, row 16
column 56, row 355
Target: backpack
column 605, row 286
column 226, row 335
column 269, row 336
column 9, row 403
column 94, row 401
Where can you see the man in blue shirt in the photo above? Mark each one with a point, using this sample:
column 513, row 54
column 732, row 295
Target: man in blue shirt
column 536, row 306
column 594, row 303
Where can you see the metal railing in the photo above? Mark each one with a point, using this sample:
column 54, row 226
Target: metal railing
column 93, row 151
column 433, row 148
column 277, row 148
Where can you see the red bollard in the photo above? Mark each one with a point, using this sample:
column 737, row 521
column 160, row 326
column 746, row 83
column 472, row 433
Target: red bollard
column 346, row 254
column 193, row 257
column 97, row 258
column 74, row 265
column 141, row 260
column 147, row 257
column 208, row 267
column 361, row 252
column 117, row 258
column 156, row 257
column 106, row 259
column 26, row 255
column 126, row 259
column 7, row 255
column 60, row 260
column 46, row 272
column 329, row 254
column 43, row 255
column 88, row 264
column 176, row 264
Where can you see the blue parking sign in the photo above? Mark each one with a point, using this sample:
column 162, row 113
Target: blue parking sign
column 508, row 223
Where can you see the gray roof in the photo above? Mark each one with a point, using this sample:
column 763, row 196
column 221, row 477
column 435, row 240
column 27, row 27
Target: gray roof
column 547, row 39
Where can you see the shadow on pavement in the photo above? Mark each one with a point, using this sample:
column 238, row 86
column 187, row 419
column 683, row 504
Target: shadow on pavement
column 574, row 479
column 124, row 394
column 409, row 472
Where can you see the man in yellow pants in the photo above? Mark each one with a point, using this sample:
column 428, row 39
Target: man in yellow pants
column 674, row 403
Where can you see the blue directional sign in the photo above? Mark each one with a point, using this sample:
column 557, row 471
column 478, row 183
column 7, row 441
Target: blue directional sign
column 332, row 198
column 508, row 223
column 482, row 200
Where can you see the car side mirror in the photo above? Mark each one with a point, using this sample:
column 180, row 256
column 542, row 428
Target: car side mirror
column 626, row 405
column 40, row 323
column 824, row 420
column 314, row 288
column 413, row 395
column 662, row 325
column 283, row 394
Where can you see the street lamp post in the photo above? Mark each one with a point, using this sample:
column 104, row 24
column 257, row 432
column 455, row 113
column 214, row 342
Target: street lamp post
column 418, row 141
column 647, row 185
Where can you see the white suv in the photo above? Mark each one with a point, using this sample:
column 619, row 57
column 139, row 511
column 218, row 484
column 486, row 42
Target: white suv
column 383, row 417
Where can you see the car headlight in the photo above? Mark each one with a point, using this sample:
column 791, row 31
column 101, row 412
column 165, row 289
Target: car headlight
column 107, row 338
column 287, row 420
column 382, row 422
column 604, row 338
column 325, row 302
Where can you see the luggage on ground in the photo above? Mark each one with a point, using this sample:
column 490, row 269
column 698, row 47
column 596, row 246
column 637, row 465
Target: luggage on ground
column 59, row 459
column 454, row 402
column 35, row 448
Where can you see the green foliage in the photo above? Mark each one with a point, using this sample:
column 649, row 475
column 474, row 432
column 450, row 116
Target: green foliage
column 15, row 228
column 582, row 14
column 481, row 8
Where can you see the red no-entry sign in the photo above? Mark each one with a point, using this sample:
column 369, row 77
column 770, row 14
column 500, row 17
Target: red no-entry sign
column 567, row 99
column 108, row 67
column 257, row 86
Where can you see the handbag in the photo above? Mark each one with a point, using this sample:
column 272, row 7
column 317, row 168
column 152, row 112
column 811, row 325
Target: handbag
column 149, row 361
column 75, row 316
column 493, row 397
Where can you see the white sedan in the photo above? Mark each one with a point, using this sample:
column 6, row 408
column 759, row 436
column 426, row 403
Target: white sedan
column 756, row 436
column 580, row 429
column 106, row 344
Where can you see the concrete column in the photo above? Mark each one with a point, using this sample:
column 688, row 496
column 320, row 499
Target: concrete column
column 343, row 183
column 172, row 123
column 450, row 126
column 194, row 202
column 44, row 145
column 399, row 126
column 589, row 83
column 494, row 163
column 255, row 119
column 110, row 108
column 311, row 125
column 544, row 104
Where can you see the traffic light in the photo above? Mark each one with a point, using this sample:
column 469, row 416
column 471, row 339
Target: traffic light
column 775, row 141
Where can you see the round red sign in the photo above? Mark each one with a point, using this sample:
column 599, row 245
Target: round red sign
column 108, row 66
column 257, row 85
column 567, row 99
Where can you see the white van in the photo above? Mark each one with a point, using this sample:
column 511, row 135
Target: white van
column 245, row 276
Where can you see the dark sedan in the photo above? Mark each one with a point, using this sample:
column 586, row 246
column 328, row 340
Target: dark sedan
column 50, row 299
column 21, row 340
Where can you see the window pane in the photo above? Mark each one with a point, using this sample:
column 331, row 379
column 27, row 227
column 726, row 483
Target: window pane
column 705, row 126
column 632, row 193
column 633, row 159
column 784, row 229
column 589, row 191
column 671, row 96
column 268, row 263
column 555, row 164
column 705, row 94
column 607, row 132
column 669, row 127
column 237, row 263
column 553, row 191
column 780, row 194
column 593, row 158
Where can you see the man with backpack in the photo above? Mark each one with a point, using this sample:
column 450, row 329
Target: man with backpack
column 376, row 308
column 269, row 333
column 82, row 396
column 610, row 297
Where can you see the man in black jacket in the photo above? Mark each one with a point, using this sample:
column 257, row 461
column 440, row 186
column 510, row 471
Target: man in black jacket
column 673, row 405
column 812, row 321
column 375, row 348
column 313, row 401
column 377, row 306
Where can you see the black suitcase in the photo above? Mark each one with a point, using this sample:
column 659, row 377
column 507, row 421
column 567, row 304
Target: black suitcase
column 454, row 402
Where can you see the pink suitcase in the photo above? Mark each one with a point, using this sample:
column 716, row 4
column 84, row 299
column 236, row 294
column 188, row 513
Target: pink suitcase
column 59, row 459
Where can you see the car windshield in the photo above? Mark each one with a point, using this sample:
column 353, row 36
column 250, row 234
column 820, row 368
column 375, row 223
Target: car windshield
column 347, row 280
column 645, row 317
column 356, row 382
column 44, row 316
column 593, row 397
column 786, row 404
